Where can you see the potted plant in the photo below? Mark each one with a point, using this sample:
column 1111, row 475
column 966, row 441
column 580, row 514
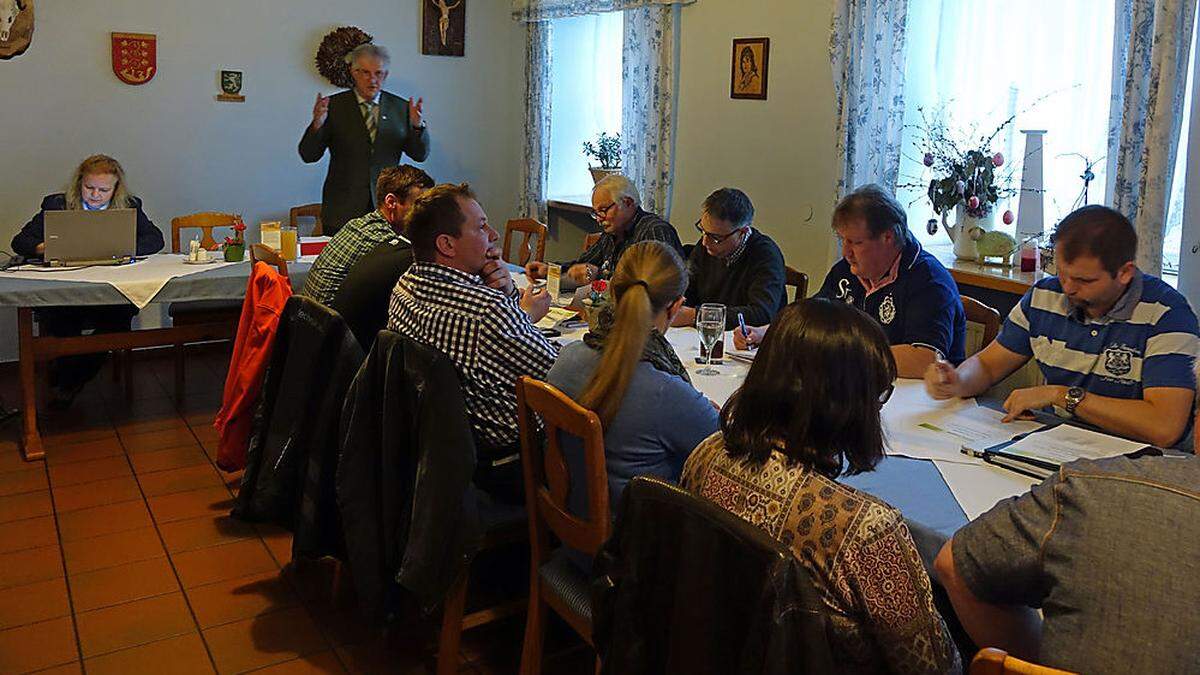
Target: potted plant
column 607, row 151
column 235, row 247
column 965, row 181
column 597, row 297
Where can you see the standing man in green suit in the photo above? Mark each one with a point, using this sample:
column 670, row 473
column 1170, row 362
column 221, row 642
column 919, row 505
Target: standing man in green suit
column 366, row 130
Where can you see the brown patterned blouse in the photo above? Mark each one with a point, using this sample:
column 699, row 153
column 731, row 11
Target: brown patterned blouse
column 857, row 549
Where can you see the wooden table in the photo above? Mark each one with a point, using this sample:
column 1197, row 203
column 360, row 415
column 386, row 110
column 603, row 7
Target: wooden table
column 223, row 283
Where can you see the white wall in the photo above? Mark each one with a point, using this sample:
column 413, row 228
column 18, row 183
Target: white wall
column 184, row 152
column 779, row 151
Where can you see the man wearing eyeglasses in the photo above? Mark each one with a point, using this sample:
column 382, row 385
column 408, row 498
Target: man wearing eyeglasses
column 616, row 206
column 886, row 273
column 733, row 264
column 366, row 130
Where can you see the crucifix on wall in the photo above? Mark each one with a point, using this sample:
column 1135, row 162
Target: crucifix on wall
column 443, row 27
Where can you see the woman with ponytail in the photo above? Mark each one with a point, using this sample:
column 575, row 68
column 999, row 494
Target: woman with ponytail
column 627, row 372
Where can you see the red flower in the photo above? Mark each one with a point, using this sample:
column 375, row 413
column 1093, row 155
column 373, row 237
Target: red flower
column 599, row 286
column 238, row 225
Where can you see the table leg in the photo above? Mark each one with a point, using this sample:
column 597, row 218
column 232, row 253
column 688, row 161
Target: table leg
column 31, row 446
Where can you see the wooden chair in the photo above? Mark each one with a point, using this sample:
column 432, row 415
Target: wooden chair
column 270, row 256
column 531, row 228
column 307, row 211
column 205, row 222
column 992, row 661
column 590, row 240
column 554, row 580
column 796, row 279
column 979, row 313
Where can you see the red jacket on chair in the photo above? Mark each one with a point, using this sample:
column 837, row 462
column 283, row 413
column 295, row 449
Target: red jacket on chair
column 266, row 294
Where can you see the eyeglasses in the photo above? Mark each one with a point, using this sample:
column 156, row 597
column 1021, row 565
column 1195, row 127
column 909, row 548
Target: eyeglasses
column 599, row 214
column 716, row 239
column 886, row 394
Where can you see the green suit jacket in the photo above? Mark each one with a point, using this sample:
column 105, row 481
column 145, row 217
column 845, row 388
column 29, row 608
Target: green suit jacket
column 354, row 162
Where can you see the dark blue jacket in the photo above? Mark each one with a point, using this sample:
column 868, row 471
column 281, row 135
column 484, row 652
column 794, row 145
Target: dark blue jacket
column 921, row 307
column 149, row 237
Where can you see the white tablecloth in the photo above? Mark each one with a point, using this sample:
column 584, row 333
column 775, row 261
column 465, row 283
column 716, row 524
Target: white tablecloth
column 138, row 281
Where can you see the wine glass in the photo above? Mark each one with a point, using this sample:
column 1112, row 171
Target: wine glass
column 710, row 321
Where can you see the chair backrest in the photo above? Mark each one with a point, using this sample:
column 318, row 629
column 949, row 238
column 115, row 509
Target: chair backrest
column 526, row 252
column 270, row 256
column 307, row 211
column 979, row 313
column 992, row 661
column 796, row 279
column 590, row 240
column 547, row 477
column 205, row 222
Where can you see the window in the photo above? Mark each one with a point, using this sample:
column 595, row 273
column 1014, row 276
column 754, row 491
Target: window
column 1173, row 234
column 585, row 98
column 981, row 62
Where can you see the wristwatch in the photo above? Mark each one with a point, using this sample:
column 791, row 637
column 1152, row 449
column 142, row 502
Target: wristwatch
column 1074, row 398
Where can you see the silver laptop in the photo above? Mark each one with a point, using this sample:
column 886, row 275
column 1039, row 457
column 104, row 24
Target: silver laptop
column 81, row 237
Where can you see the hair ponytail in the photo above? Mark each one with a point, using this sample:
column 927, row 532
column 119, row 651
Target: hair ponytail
column 649, row 277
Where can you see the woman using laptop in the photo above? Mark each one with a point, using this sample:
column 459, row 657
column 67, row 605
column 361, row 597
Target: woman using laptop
column 97, row 184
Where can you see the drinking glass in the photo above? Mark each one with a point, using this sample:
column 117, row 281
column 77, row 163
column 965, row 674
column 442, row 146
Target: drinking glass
column 710, row 322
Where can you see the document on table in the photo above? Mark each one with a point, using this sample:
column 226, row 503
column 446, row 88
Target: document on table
column 978, row 487
column 1065, row 443
column 978, row 428
column 918, row 426
column 555, row 315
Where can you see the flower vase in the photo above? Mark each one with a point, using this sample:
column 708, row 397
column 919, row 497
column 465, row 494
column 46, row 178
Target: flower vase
column 235, row 252
column 599, row 174
column 967, row 230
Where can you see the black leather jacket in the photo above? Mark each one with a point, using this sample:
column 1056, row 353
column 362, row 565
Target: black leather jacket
column 404, row 477
column 684, row 586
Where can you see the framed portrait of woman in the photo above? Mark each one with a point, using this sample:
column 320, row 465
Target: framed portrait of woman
column 748, row 75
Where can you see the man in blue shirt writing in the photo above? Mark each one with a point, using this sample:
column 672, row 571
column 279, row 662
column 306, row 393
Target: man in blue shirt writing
column 1115, row 345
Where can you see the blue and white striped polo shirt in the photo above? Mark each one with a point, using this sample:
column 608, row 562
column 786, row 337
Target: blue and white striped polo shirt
column 1148, row 339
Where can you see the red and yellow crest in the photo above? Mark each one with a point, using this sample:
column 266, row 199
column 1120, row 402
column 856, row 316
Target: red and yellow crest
column 134, row 57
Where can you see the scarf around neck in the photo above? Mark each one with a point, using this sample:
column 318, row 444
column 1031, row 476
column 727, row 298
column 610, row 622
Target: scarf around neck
column 657, row 352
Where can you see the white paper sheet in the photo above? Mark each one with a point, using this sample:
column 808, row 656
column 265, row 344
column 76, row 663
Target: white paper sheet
column 903, row 415
column 978, row 486
column 1065, row 443
column 555, row 315
column 977, row 428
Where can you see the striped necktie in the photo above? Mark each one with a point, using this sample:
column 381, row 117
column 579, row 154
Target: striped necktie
column 370, row 111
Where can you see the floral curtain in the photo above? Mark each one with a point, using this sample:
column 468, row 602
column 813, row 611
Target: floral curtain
column 1150, row 64
column 545, row 10
column 648, row 75
column 536, row 153
column 866, row 51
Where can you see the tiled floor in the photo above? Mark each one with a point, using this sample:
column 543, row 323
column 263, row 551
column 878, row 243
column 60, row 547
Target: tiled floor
column 117, row 555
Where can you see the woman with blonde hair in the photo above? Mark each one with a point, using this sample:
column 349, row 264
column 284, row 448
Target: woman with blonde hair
column 97, row 184
column 627, row 372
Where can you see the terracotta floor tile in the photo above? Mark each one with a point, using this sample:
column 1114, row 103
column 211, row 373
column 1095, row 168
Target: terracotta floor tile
column 321, row 663
column 372, row 658
column 226, row 561
column 190, row 504
column 25, row 505
column 181, row 655
column 278, row 541
column 134, row 623
column 264, row 640
column 23, row 480
column 240, row 598
column 206, row 433
column 322, row 585
column 34, row 602
column 38, row 645
column 115, row 585
column 10, row 457
column 35, row 564
column 158, row 440
column 179, row 480
column 53, row 440
column 77, row 473
column 75, row 668
column 210, row 449
column 99, row 493
column 171, row 458
column 111, row 550
column 346, row 627
column 100, row 520
column 29, row 533
column 135, row 425
column 194, row 533
column 84, row 451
